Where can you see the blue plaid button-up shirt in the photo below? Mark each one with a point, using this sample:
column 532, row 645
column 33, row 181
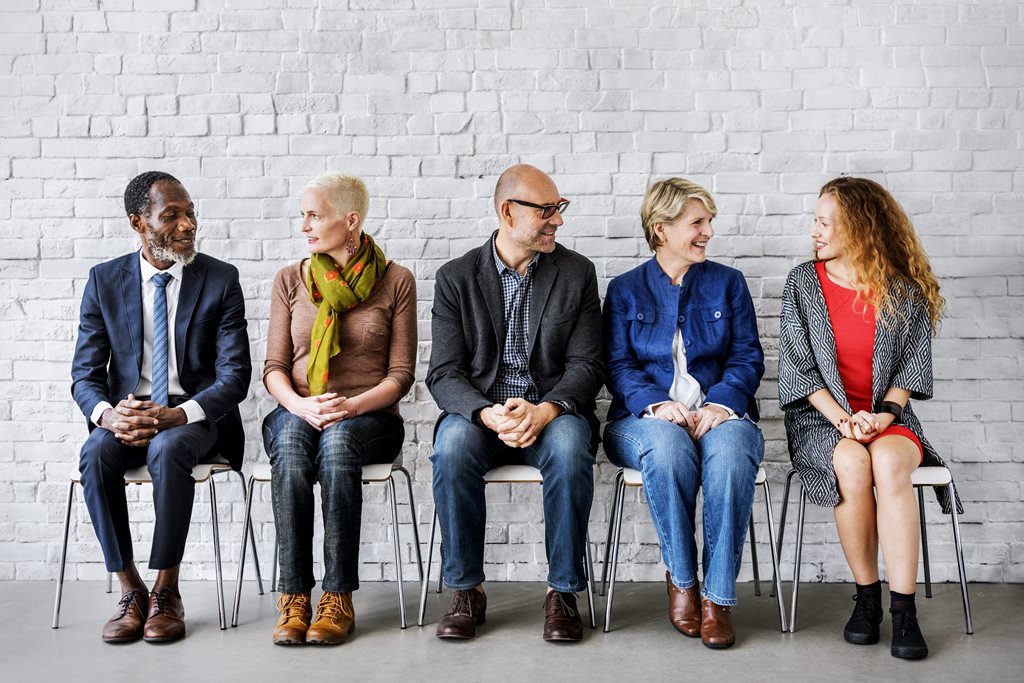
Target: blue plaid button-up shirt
column 514, row 379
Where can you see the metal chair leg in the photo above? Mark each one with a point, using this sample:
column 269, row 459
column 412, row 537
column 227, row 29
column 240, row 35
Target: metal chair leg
column 960, row 558
column 782, row 521
column 608, row 540
column 277, row 555
column 620, row 493
column 252, row 540
column 753, row 555
column 776, row 574
column 398, row 548
column 216, row 552
column 63, row 557
column 796, row 561
column 246, row 527
column 924, row 544
column 110, row 582
column 425, row 580
column 415, row 526
column 588, row 566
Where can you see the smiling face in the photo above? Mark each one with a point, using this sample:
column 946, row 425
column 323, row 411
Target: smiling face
column 168, row 230
column 828, row 243
column 326, row 231
column 523, row 230
column 684, row 241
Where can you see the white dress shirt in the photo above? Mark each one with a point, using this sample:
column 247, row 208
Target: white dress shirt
column 685, row 389
column 193, row 411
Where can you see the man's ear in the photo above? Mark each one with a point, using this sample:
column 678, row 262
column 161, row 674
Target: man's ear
column 505, row 212
column 137, row 222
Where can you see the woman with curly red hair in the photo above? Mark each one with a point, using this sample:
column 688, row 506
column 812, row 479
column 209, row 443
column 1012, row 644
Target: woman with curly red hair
column 855, row 347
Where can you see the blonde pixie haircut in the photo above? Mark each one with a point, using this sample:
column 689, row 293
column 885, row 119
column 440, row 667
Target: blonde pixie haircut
column 344, row 192
column 666, row 200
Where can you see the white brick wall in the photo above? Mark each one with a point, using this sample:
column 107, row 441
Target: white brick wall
column 760, row 100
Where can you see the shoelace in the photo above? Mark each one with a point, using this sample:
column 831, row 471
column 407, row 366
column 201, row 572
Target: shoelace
column 163, row 598
column 865, row 610
column 903, row 623
column 561, row 605
column 294, row 605
column 126, row 601
column 331, row 605
column 461, row 604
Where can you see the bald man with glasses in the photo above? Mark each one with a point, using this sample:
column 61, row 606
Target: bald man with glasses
column 515, row 366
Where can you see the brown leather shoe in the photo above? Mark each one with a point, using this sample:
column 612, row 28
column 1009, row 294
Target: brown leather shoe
column 296, row 613
column 467, row 611
column 684, row 608
column 129, row 619
column 562, row 621
column 716, row 629
column 335, row 619
column 166, row 620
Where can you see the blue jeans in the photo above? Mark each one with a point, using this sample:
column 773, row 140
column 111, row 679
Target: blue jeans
column 462, row 455
column 724, row 462
column 300, row 456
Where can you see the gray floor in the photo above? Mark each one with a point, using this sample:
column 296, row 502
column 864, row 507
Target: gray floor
column 641, row 647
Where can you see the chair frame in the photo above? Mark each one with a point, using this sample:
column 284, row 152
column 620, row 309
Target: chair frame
column 201, row 473
column 632, row 478
column 929, row 476
column 370, row 474
column 504, row 474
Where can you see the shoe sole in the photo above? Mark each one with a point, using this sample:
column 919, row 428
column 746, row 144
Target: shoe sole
column 121, row 640
column 163, row 639
column 562, row 639
column 909, row 653
column 860, row 638
column 718, row 646
column 318, row 641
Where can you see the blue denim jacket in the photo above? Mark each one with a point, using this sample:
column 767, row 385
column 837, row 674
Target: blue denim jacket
column 713, row 310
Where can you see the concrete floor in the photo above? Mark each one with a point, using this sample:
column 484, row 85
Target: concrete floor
column 641, row 647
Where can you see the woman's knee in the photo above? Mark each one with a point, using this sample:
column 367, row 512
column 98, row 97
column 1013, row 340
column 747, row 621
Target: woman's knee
column 892, row 467
column 852, row 465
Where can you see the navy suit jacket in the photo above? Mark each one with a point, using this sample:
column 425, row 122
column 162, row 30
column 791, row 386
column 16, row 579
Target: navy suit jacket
column 211, row 344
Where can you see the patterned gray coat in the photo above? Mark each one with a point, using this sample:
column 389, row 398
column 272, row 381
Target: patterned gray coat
column 807, row 362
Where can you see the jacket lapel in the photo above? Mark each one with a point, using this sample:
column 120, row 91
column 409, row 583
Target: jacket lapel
column 543, row 281
column 131, row 293
column 192, row 279
column 490, row 289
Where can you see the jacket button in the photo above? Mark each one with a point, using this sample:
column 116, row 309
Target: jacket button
column 686, row 342
column 682, row 318
column 639, row 316
column 718, row 314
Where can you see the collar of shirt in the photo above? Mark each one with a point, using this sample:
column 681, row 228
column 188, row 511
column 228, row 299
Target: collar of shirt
column 503, row 267
column 149, row 270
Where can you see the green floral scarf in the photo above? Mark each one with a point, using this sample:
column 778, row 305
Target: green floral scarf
column 334, row 290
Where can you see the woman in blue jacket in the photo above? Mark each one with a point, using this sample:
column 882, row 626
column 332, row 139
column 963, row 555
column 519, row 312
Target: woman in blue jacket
column 684, row 361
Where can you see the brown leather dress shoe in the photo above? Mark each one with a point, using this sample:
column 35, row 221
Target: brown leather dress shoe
column 716, row 629
column 296, row 613
column 562, row 621
column 335, row 619
column 467, row 611
column 684, row 608
column 127, row 623
column 166, row 621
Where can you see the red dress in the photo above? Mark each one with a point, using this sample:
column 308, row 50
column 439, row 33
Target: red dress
column 853, row 325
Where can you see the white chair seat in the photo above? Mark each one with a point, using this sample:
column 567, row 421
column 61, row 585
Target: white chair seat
column 371, row 473
column 631, row 477
column 931, row 476
column 514, row 474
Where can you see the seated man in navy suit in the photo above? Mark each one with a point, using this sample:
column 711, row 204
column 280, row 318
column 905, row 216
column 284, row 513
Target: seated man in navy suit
column 161, row 364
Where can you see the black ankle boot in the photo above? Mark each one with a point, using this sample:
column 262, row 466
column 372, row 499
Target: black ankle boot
column 907, row 640
column 862, row 628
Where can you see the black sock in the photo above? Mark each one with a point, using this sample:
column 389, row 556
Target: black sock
column 902, row 602
column 872, row 589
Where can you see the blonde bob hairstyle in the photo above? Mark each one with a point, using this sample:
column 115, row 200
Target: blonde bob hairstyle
column 345, row 193
column 666, row 201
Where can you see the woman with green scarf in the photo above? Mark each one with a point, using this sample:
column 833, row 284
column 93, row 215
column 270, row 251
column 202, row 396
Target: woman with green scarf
column 341, row 353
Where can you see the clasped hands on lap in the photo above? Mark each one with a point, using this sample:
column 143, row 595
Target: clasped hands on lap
column 698, row 422
column 518, row 422
column 323, row 410
column 136, row 423
column 863, row 426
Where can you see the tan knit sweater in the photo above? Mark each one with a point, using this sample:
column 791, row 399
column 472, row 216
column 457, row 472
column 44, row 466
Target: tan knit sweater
column 378, row 337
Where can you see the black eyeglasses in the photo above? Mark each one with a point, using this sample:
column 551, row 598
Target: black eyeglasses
column 546, row 210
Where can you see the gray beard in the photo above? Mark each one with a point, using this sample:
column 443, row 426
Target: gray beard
column 162, row 253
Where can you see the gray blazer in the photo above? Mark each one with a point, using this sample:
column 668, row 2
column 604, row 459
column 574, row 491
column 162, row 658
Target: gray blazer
column 468, row 332
column 807, row 362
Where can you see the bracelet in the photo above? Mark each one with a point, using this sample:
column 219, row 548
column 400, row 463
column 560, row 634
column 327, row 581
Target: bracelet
column 892, row 408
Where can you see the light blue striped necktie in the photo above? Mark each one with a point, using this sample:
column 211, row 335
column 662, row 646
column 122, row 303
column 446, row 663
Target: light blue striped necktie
column 159, row 392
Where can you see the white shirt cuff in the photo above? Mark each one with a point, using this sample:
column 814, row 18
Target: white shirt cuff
column 193, row 411
column 649, row 412
column 732, row 413
column 97, row 412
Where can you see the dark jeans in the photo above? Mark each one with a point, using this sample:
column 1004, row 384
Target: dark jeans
column 170, row 457
column 301, row 456
column 462, row 455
